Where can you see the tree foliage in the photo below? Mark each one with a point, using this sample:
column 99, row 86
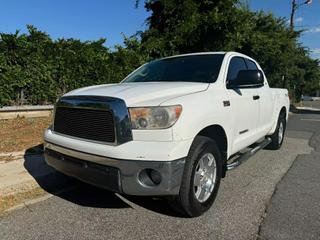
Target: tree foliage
column 228, row 25
column 34, row 69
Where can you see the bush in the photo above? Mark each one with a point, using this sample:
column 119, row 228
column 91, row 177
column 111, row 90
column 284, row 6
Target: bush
column 34, row 69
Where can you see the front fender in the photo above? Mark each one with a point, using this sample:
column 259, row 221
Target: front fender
column 197, row 116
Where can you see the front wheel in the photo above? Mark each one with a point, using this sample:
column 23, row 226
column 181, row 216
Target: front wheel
column 201, row 178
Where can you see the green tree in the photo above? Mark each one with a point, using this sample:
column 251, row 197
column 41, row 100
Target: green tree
column 34, row 69
column 218, row 25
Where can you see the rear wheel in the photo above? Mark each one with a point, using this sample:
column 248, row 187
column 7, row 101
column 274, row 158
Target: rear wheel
column 278, row 136
column 201, row 178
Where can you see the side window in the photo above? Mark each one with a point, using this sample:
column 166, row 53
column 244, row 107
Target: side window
column 251, row 65
column 236, row 64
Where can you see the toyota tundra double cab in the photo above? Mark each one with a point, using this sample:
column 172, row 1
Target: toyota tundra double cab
column 171, row 128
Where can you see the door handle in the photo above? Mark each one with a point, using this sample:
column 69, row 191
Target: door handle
column 256, row 97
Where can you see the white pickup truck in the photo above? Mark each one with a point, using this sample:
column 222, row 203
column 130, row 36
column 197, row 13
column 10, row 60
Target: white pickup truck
column 172, row 128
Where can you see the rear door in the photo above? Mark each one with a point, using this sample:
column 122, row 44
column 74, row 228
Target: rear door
column 265, row 104
column 245, row 107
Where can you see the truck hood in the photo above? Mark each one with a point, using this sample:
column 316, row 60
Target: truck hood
column 142, row 93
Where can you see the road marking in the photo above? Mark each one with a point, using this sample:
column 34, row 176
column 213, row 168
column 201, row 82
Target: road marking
column 310, row 119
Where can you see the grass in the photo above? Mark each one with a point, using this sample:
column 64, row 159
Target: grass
column 18, row 135
column 22, row 133
column 10, row 201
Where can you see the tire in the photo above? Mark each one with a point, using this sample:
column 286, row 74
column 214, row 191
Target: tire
column 278, row 136
column 199, row 188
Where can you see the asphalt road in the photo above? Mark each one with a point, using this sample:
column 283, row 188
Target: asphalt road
column 294, row 212
column 247, row 206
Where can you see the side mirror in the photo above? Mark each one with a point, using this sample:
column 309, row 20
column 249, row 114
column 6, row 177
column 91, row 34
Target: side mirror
column 248, row 79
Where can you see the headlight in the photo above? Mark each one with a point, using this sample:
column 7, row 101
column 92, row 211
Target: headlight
column 154, row 117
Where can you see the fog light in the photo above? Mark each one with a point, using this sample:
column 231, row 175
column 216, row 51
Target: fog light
column 150, row 177
column 155, row 176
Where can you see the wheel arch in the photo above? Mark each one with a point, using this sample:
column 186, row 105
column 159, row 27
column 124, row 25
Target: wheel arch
column 218, row 134
column 283, row 110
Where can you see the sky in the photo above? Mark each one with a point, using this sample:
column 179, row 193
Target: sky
column 80, row 19
column 91, row 20
column 307, row 18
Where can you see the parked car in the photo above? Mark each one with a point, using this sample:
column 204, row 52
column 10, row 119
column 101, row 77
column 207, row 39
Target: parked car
column 172, row 128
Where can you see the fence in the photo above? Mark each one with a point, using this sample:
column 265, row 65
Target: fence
column 25, row 111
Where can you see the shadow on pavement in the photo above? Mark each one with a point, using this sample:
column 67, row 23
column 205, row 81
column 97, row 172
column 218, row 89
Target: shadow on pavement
column 81, row 193
column 154, row 204
column 90, row 196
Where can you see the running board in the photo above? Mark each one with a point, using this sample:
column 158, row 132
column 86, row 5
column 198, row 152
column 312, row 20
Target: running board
column 245, row 156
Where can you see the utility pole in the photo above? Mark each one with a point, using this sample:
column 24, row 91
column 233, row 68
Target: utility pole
column 293, row 11
column 294, row 7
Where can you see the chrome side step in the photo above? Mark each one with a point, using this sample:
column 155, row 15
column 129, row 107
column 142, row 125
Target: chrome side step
column 245, row 156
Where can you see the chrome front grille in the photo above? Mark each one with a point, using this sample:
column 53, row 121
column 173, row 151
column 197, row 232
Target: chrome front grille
column 96, row 125
column 93, row 118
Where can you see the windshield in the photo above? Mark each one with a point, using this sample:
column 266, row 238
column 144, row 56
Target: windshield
column 192, row 68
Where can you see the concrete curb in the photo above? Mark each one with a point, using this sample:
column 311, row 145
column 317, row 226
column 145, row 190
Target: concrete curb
column 17, row 155
column 32, row 201
column 308, row 108
column 13, row 154
column 28, row 173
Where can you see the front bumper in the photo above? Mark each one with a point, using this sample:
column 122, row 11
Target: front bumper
column 117, row 175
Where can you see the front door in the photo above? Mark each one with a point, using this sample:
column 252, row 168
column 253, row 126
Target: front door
column 245, row 108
